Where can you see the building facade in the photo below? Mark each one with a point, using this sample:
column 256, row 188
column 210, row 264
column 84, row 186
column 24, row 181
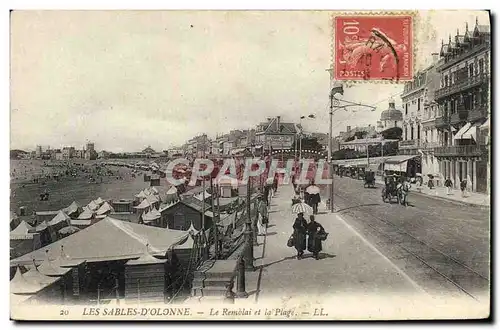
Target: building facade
column 275, row 135
column 420, row 134
column 464, row 105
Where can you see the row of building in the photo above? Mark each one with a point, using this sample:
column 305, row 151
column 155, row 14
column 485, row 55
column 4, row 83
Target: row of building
column 445, row 117
column 273, row 134
column 88, row 152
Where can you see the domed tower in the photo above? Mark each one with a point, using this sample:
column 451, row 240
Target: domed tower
column 390, row 118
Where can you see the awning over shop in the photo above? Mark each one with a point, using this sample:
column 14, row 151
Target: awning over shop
column 486, row 124
column 398, row 163
column 461, row 132
column 471, row 133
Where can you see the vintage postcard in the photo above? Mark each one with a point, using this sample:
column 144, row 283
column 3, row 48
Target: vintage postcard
column 250, row 165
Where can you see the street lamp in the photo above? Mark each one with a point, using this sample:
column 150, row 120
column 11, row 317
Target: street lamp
column 311, row 116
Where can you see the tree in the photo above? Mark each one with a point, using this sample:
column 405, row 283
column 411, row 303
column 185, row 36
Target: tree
column 311, row 143
column 393, row 133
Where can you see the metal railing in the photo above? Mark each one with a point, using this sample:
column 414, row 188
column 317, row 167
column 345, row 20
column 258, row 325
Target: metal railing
column 469, row 150
column 462, row 84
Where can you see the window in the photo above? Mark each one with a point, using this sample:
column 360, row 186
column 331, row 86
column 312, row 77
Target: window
column 406, row 109
column 418, row 104
column 471, row 70
column 418, row 132
column 395, row 123
column 481, row 65
column 411, row 132
column 445, row 81
column 406, row 132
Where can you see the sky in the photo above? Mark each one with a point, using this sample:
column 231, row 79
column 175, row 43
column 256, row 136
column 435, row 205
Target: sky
column 129, row 79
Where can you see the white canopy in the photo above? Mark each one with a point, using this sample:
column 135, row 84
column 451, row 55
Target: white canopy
column 172, row 190
column 93, row 206
column 460, row 134
column 86, row 214
column 60, row 217
column 144, row 204
column 152, row 199
column 99, row 201
column 41, row 227
column 141, row 194
column 152, row 215
column 22, row 231
column 104, row 209
column 20, row 285
column 72, row 208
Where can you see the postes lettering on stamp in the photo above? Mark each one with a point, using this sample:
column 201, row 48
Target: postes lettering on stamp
column 376, row 47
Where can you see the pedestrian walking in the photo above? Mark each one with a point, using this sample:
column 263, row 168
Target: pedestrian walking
column 463, row 188
column 267, row 191
column 275, row 183
column 263, row 217
column 315, row 231
column 300, row 235
column 448, row 184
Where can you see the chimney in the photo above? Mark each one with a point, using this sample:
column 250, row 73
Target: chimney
column 278, row 122
column 435, row 58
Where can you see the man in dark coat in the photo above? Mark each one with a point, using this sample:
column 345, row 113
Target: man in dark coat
column 314, row 243
column 314, row 200
column 299, row 234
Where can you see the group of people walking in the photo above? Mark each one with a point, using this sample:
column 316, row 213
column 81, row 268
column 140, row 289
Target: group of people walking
column 311, row 233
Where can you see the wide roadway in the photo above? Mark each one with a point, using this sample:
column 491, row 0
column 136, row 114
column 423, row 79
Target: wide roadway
column 442, row 245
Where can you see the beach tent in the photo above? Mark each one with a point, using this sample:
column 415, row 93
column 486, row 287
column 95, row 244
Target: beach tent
column 22, row 230
column 73, row 208
column 104, row 209
column 41, row 226
column 141, row 194
column 171, row 195
column 86, row 214
column 93, row 206
column 60, row 219
column 99, row 201
column 143, row 205
column 151, row 216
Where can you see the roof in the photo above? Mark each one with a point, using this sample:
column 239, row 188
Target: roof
column 80, row 222
column 22, row 230
column 195, row 204
column 391, row 114
column 104, row 209
column 60, row 217
column 20, row 285
column 72, row 208
column 42, row 226
column 145, row 259
column 202, row 196
column 86, row 214
column 46, row 212
column 399, row 159
column 33, row 275
column 367, row 141
column 52, row 267
column 93, row 206
column 93, row 243
column 143, row 205
column 152, row 215
column 99, row 201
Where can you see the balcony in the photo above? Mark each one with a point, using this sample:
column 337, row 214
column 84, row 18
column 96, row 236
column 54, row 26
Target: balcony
column 460, row 151
column 462, row 85
column 409, row 144
column 459, row 117
column 477, row 114
column 441, row 122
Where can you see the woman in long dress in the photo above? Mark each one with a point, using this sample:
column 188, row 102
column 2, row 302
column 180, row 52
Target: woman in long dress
column 299, row 234
column 314, row 244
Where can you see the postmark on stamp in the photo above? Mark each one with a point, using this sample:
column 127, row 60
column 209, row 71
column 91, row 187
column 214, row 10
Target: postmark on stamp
column 373, row 47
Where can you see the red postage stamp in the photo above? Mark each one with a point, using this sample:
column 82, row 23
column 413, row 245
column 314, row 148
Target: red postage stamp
column 373, row 47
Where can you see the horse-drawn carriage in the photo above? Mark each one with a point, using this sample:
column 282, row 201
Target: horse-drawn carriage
column 395, row 187
column 369, row 179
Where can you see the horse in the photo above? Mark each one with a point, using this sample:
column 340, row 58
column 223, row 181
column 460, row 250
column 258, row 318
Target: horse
column 403, row 189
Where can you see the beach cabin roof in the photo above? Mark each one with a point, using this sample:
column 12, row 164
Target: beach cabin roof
column 52, row 267
column 72, row 208
column 86, row 214
column 19, row 284
column 60, row 217
column 41, row 227
column 93, row 244
column 104, row 209
column 143, row 205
